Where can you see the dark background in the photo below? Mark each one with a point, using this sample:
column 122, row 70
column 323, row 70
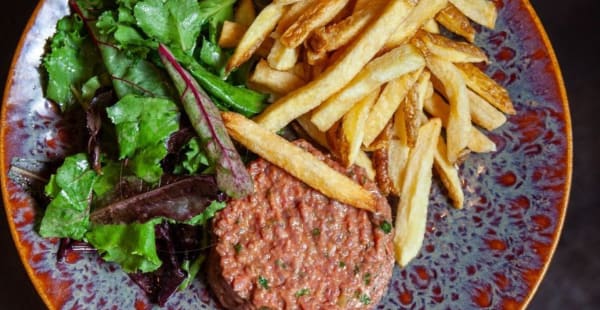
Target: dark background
column 571, row 281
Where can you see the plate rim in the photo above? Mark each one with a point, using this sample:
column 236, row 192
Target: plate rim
column 558, row 77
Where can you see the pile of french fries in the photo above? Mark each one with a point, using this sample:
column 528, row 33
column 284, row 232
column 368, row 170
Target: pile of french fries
column 375, row 82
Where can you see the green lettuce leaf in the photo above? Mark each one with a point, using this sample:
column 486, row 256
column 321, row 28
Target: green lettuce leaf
column 143, row 127
column 194, row 158
column 130, row 73
column 209, row 213
column 172, row 22
column 73, row 60
column 132, row 246
column 67, row 215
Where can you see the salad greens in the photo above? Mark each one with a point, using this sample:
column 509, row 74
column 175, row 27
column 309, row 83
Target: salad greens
column 232, row 176
column 132, row 246
column 143, row 127
column 144, row 71
column 70, row 189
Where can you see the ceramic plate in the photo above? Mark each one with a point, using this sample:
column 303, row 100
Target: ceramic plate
column 491, row 254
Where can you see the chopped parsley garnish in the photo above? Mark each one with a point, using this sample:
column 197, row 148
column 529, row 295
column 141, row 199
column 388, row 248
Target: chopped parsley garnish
column 365, row 299
column 386, row 227
column 342, row 264
column 367, row 278
column 237, row 247
column 262, row 281
column 302, row 292
column 280, row 263
column 315, row 232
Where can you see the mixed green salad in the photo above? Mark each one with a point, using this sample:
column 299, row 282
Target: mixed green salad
column 149, row 76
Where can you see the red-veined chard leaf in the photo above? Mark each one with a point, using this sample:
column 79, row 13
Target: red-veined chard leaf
column 232, row 176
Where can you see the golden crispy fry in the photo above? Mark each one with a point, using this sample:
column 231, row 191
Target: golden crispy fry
column 487, row 88
column 459, row 119
column 382, row 165
column 316, row 58
column 389, row 66
column 292, row 13
column 282, row 57
column 453, row 51
column 421, row 14
column 312, row 18
column 398, row 156
column 258, row 31
column 392, row 95
column 245, row 13
column 288, row 2
column 431, row 26
column 275, row 81
column 413, row 107
column 334, row 36
column 482, row 12
column 362, row 160
column 414, row 197
column 337, row 75
column 231, row 34
column 297, row 162
column 448, row 173
column 478, row 142
column 353, row 128
column 455, row 21
column 482, row 112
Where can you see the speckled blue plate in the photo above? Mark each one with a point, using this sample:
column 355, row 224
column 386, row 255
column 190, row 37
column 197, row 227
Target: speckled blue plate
column 492, row 254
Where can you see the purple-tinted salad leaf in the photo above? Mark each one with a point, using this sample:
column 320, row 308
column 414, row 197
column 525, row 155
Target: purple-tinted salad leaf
column 232, row 176
column 181, row 201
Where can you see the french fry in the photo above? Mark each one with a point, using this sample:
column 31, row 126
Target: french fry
column 382, row 174
column 389, row 100
column 258, row 31
column 282, row 57
column 362, row 159
column 312, row 18
column 297, row 162
column 275, row 81
column 453, row 51
column 482, row 112
column 287, row 2
column 448, row 173
column 231, row 34
column 421, row 14
column 487, row 88
column 478, row 142
column 389, row 66
column 245, row 13
column 292, row 13
column 431, row 26
column 353, row 128
column 398, row 156
column 459, row 119
column 414, row 197
column 482, row 12
column 334, row 36
column 413, row 107
column 316, row 58
column 455, row 21
column 337, row 75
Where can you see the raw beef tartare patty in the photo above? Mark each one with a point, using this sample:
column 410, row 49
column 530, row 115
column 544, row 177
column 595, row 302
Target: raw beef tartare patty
column 289, row 247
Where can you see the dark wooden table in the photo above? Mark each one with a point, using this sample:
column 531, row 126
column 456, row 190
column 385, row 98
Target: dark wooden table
column 572, row 281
